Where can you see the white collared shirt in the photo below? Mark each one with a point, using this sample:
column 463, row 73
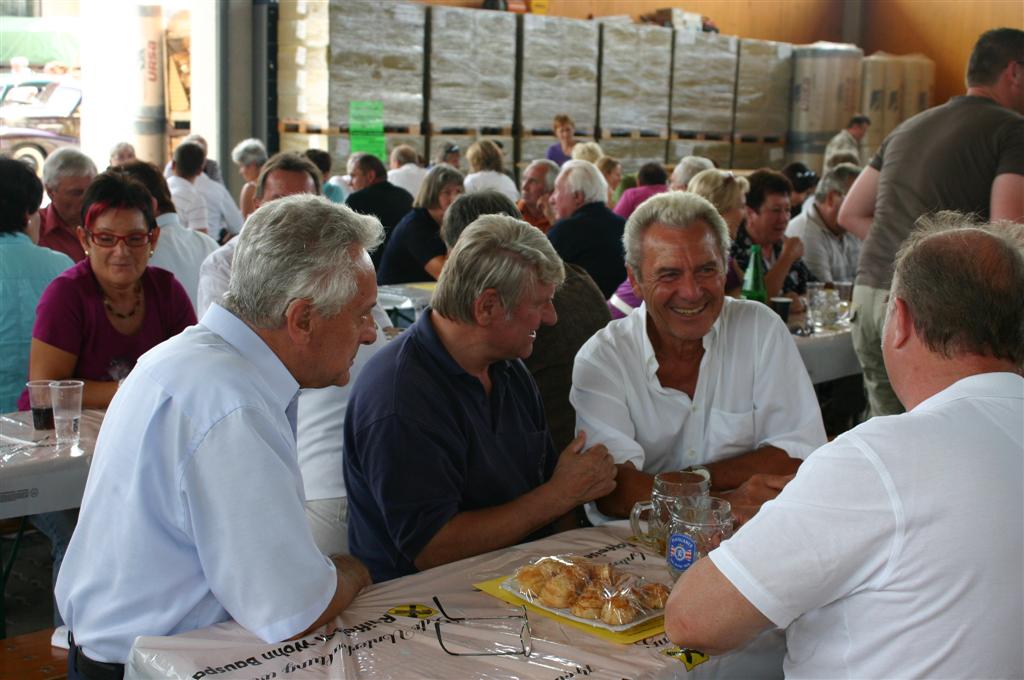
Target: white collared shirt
column 490, row 179
column 193, row 510
column 829, row 257
column 214, row 276
column 898, row 549
column 410, row 177
column 181, row 251
column 752, row 391
column 189, row 203
column 221, row 211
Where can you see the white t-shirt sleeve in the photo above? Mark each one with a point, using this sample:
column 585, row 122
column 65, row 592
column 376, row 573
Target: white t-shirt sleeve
column 598, row 394
column 786, row 410
column 248, row 524
column 834, row 530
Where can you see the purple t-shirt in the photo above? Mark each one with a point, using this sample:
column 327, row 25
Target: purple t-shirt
column 556, row 154
column 71, row 317
column 631, row 198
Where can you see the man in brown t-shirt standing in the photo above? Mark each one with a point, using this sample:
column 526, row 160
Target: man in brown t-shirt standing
column 966, row 155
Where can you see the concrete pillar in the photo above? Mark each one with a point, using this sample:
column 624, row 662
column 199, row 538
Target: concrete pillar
column 122, row 77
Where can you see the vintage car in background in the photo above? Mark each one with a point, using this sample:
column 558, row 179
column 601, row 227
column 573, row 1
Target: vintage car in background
column 38, row 114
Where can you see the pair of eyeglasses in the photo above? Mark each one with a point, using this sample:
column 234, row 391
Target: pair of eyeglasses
column 461, row 626
column 108, row 240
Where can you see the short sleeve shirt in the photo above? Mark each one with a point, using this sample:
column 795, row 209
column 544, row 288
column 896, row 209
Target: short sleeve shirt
column 424, row 442
column 415, row 241
column 945, row 158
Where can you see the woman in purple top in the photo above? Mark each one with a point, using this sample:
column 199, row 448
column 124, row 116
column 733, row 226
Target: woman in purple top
column 97, row 318
column 565, row 128
column 651, row 179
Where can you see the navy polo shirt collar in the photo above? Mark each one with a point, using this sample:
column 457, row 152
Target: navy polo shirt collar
column 426, row 335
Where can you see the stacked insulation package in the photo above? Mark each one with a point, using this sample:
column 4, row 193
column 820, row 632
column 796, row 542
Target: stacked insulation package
column 826, row 93
column 472, row 77
column 635, row 65
column 703, row 96
column 918, row 84
column 559, row 76
column 302, row 77
column 881, row 98
column 763, row 81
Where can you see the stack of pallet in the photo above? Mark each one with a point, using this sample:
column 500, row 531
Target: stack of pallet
column 302, row 78
column 636, row 61
column 763, row 81
column 472, row 77
column 881, row 97
column 703, row 96
column 559, row 75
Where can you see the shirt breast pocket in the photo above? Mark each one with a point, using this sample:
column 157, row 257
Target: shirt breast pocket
column 729, row 434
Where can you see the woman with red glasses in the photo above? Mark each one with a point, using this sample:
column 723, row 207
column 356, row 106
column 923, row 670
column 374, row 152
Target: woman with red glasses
column 97, row 318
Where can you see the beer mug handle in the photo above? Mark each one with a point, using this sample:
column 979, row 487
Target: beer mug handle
column 634, row 520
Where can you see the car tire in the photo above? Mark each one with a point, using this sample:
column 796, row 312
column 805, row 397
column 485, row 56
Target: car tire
column 31, row 155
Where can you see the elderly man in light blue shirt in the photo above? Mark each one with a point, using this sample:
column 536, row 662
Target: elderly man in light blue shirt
column 193, row 512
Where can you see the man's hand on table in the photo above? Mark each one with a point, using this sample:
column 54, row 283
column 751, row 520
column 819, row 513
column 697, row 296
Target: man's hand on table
column 584, row 475
column 747, row 498
column 354, row 571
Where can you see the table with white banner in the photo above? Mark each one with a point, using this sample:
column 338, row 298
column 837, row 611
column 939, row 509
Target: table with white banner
column 396, row 629
column 828, row 354
column 38, row 476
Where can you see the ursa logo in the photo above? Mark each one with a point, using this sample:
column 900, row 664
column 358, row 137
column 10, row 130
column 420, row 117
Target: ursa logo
column 682, row 551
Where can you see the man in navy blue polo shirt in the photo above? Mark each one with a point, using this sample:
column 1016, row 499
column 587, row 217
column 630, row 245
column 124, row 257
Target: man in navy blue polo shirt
column 447, row 451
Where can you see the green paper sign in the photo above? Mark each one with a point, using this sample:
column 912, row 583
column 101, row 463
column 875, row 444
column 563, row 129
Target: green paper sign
column 366, row 128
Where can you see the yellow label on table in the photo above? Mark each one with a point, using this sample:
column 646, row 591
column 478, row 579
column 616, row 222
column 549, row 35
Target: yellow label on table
column 690, row 658
column 412, row 611
column 655, row 626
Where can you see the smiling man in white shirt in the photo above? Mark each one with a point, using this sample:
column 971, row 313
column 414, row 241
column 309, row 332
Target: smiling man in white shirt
column 898, row 549
column 693, row 377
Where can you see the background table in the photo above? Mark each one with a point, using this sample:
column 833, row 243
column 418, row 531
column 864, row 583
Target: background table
column 372, row 639
column 828, row 354
column 36, row 475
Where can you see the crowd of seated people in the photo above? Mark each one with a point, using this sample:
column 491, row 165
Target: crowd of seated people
column 585, row 333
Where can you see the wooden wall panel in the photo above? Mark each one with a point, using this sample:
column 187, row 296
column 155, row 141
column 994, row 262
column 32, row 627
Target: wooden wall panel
column 944, row 30
column 795, row 21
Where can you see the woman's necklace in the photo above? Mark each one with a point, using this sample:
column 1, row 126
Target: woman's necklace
column 138, row 303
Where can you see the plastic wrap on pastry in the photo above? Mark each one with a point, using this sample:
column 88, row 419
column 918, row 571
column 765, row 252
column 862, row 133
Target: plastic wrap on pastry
column 596, row 593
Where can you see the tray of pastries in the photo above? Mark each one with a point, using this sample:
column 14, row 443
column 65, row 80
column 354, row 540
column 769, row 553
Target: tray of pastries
column 593, row 593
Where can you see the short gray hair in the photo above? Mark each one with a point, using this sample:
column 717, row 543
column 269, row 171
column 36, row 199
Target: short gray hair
column 68, row 161
column 403, row 154
column 196, row 138
column 296, row 248
column 678, row 210
column 121, row 146
column 249, row 152
column 497, row 252
column 837, row 179
column 549, row 178
column 583, row 177
column 687, row 168
column 468, row 207
column 959, row 279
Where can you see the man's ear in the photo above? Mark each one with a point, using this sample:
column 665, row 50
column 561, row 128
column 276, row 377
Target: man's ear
column 298, row 320
column 902, row 321
column 487, row 308
column 634, row 281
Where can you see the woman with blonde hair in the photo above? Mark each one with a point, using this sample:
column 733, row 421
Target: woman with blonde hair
column 587, row 151
column 487, row 171
column 611, row 168
column 728, row 193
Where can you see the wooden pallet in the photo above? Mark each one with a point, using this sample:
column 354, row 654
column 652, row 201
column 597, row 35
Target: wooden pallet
column 741, row 138
column 581, row 133
column 472, row 130
column 292, row 125
column 633, row 134
column 701, row 136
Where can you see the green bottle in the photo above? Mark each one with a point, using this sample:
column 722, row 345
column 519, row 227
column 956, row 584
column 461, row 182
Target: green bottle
column 753, row 278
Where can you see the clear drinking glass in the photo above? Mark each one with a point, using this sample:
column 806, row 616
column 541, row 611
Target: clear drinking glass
column 695, row 530
column 66, row 396
column 670, row 489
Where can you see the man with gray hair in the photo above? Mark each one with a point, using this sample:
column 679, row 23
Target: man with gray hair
column 535, row 200
column 692, row 377
column 194, row 498
column 587, row 233
column 447, row 450
column 897, row 550
column 67, row 173
column 686, row 169
column 405, row 171
column 830, row 252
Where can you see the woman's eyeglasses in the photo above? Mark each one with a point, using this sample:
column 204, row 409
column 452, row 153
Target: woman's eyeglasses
column 108, row 240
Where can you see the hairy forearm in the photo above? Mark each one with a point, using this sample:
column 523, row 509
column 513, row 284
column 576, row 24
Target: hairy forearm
column 352, row 577
column 732, row 472
column 478, row 531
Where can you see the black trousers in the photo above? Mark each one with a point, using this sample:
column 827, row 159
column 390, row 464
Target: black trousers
column 81, row 667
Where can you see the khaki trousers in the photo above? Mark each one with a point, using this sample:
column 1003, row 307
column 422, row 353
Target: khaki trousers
column 867, row 316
